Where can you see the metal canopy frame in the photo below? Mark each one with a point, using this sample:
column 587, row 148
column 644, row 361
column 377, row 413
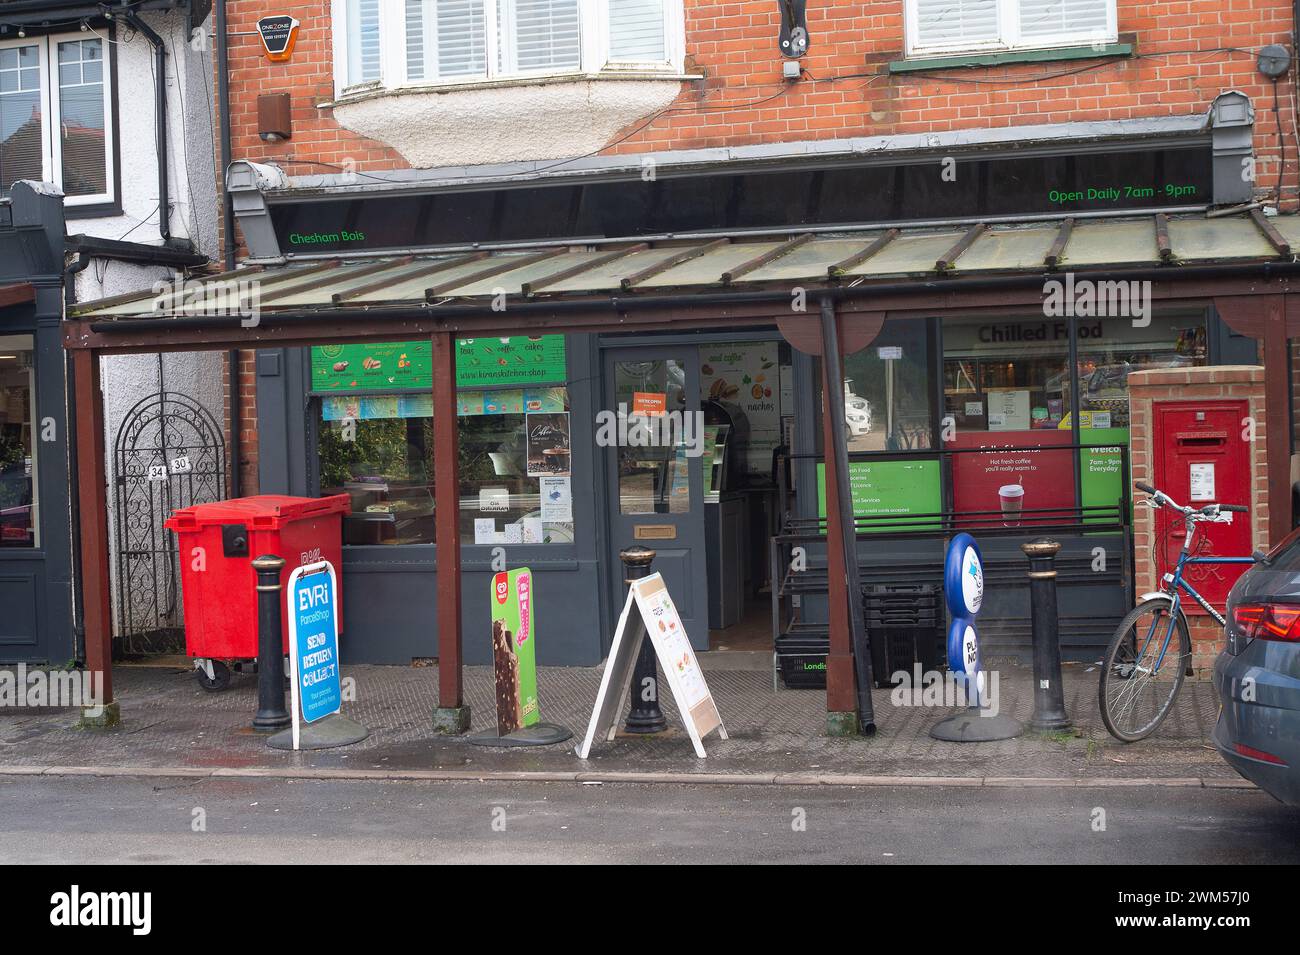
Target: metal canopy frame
column 843, row 306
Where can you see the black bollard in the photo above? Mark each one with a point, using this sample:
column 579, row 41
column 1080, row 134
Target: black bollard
column 1049, row 694
column 271, row 714
column 645, row 715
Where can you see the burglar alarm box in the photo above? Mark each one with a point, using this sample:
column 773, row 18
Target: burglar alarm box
column 1202, row 456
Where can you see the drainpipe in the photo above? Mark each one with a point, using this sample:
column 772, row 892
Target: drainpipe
column 160, row 120
column 228, row 237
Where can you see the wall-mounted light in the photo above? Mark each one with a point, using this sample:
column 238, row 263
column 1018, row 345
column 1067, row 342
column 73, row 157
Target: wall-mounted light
column 794, row 27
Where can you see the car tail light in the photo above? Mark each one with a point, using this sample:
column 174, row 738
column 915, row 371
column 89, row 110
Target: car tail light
column 1253, row 753
column 1268, row 621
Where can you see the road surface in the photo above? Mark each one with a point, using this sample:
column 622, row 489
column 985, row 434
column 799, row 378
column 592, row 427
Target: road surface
column 143, row 820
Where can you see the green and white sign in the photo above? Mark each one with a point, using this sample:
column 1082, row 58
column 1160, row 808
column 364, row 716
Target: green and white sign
column 890, row 487
column 372, row 367
column 513, row 650
column 1101, row 468
column 480, row 363
column 487, row 362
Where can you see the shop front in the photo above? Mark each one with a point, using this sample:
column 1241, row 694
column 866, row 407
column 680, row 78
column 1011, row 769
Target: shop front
column 35, row 530
column 550, row 476
column 548, row 405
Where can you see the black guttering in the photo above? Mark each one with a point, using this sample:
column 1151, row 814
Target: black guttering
column 160, row 119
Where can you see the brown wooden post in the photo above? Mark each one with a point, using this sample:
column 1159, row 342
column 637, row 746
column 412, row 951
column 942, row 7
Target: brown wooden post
column 92, row 504
column 841, row 685
column 1277, row 397
column 451, row 714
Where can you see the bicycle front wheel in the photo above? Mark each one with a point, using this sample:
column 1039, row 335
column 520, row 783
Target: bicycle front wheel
column 1143, row 670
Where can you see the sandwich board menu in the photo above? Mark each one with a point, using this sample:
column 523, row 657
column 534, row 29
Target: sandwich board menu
column 656, row 615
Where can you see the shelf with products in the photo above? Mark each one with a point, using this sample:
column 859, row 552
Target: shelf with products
column 983, row 393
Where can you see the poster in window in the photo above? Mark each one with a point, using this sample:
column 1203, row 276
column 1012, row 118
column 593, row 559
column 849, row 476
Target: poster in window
column 1008, row 409
column 557, row 500
column 548, row 443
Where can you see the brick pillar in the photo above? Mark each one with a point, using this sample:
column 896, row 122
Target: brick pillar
column 247, row 419
column 1148, row 388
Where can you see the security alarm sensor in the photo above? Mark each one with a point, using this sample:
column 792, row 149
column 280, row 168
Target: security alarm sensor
column 1274, row 60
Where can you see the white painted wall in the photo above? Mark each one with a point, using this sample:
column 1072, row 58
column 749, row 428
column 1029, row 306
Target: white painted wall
column 193, row 214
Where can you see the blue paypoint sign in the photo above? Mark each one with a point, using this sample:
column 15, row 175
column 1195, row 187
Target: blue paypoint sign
column 314, row 651
column 963, row 588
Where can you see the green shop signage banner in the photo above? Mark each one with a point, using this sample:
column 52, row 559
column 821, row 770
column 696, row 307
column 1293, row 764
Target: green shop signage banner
column 480, row 363
column 889, row 487
column 368, row 367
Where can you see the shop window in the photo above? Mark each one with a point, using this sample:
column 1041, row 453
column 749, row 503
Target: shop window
column 393, row 44
column 67, row 80
column 1008, row 388
column 376, row 440
column 888, row 410
column 975, row 26
column 18, row 487
column 887, row 390
column 1109, row 351
column 1007, row 377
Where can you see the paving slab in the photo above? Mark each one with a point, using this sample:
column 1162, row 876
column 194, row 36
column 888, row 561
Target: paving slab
column 168, row 722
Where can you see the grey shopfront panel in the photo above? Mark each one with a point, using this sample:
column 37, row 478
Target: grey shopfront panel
column 389, row 591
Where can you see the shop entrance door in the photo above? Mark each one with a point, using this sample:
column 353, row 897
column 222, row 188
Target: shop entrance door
column 653, row 442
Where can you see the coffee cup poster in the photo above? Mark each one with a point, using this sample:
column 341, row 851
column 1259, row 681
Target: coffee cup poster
column 1003, row 483
column 548, row 444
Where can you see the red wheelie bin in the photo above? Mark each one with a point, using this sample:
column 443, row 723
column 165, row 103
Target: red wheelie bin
column 217, row 543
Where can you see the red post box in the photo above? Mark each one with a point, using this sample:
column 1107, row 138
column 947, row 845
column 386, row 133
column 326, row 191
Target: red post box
column 1202, row 457
column 217, row 543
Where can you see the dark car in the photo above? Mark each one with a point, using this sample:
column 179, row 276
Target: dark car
column 1258, row 674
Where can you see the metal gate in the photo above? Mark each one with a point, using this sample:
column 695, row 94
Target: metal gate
column 169, row 453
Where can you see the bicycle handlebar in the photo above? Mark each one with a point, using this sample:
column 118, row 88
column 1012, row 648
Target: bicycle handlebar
column 1209, row 511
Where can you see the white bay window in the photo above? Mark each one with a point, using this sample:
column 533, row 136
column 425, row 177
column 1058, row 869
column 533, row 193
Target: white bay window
column 936, row 27
column 395, row 43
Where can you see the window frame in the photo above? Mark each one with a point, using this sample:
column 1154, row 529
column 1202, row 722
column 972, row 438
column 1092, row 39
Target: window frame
column 1008, row 38
column 52, row 145
column 593, row 43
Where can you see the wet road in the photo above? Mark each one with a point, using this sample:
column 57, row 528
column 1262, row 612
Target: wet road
column 142, row 820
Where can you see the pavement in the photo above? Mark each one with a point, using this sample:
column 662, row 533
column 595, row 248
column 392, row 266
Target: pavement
column 136, row 820
column 170, row 726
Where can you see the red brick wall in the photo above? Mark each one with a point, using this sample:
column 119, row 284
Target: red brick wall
column 742, row 99
column 247, row 462
column 1182, row 384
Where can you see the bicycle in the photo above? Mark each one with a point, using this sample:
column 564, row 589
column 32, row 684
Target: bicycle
column 1139, row 676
